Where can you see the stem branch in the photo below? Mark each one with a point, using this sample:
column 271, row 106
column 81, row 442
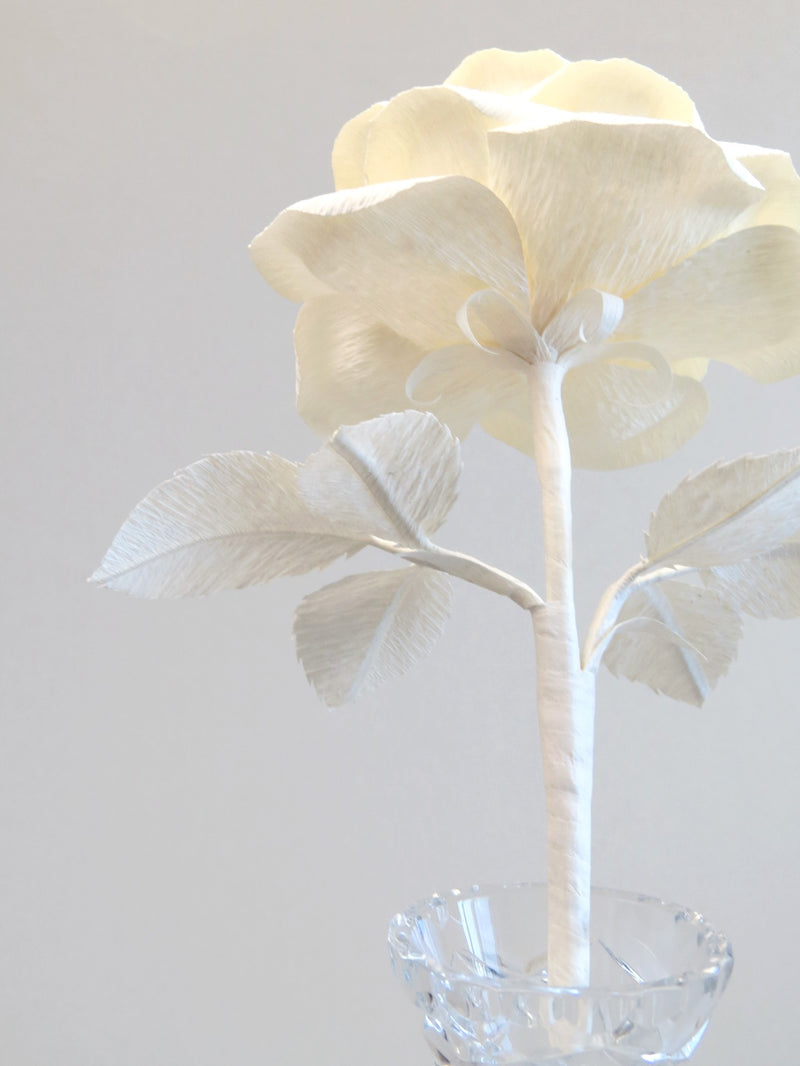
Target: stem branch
column 467, row 568
column 638, row 576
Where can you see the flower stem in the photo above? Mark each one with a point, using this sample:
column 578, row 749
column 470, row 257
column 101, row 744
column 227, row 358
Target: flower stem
column 566, row 698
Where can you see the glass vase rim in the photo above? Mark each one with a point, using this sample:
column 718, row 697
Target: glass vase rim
column 719, row 952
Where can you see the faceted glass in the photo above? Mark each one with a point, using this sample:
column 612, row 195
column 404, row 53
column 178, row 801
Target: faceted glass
column 475, row 962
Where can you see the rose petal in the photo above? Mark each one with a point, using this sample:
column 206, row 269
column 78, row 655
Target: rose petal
column 781, row 204
column 499, row 71
column 618, row 86
column 428, row 132
column 735, row 301
column 349, row 366
column 620, row 416
column 402, row 249
column 461, row 384
column 512, row 425
column 435, row 131
column 607, row 204
column 350, row 149
column 590, row 316
column 617, row 416
column 492, row 323
column 691, row 368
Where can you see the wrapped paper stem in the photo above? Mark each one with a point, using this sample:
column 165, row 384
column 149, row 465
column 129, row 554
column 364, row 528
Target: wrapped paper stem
column 566, row 697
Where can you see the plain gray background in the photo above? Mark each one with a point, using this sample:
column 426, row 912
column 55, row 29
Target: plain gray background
column 197, row 860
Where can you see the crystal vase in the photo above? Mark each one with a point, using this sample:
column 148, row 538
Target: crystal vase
column 475, row 962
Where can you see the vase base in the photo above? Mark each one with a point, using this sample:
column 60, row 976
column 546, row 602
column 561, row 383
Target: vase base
column 473, row 961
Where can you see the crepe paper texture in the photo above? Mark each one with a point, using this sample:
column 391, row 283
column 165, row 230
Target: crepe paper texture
column 553, row 251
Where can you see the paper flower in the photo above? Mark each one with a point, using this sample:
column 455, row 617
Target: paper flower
column 554, row 251
column 531, row 209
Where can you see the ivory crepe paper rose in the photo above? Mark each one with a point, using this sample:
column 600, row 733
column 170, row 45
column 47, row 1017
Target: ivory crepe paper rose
column 531, row 209
column 552, row 250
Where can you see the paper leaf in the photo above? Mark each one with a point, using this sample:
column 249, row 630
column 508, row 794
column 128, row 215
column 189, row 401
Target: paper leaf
column 394, row 477
column 363, row 630
column 676, row 638
column 728, row 512
column 767, row 586
column 227, row 521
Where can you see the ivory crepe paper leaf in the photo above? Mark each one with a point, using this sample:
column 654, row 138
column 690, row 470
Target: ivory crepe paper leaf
column 734, row 528
column 239, row 519
column 366, row 629
column 677, row 638
column 766, row 586
column 226, row 521
column 394, row 477
column 728, row 512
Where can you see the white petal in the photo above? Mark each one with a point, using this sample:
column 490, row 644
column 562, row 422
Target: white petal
column 464, row 384
column 428, row 132
column 607, row 204
column 691, row 368
column 350, row 366
column 735, row 301
column 589, row 317
column 441, row 130
column 617, row 86
column 773, row 169
column 412, row 252
column 224, row 522
column 619, row 416
column 363, row 630
column 498, row 71
column 491, row 322
column 350, row 149
column 512, row 424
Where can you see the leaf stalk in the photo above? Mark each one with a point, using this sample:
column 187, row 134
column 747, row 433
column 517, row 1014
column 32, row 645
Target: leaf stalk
column 466, row 567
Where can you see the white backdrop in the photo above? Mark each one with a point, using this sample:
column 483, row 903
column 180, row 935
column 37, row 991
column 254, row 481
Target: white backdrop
column 198, row 861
